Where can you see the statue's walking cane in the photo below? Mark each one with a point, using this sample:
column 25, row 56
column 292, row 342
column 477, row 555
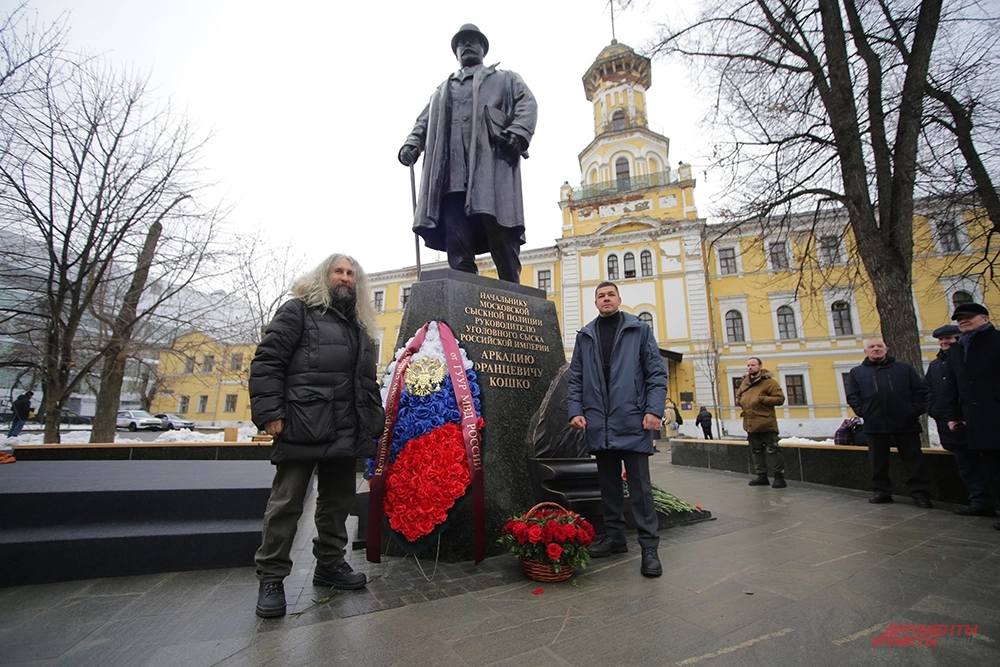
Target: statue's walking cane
column 416, row 237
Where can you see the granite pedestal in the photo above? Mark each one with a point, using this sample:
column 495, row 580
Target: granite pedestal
column 511, row 333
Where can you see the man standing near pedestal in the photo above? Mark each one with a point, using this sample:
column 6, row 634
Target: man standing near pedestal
column 938, row 407
column 617, row 392
column 476, row 128
column 974, row 387
column 890, row 396
column 759, row 394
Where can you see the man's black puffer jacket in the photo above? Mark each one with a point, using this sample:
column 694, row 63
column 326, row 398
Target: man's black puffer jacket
column 307, row 372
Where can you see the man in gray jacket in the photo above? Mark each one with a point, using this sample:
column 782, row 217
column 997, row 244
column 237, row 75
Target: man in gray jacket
column 617, row 392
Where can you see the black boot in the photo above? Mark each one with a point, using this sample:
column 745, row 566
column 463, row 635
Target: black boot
column 271, row 599
column 779, row 482
column 650, row 565
column 759, row 480
column 606, row 547
column 339, row 576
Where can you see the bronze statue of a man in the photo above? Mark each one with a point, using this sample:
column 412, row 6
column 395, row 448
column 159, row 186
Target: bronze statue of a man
column 475, row 129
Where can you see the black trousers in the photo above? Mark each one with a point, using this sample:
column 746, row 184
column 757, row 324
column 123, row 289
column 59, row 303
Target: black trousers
column 908, row 447
column 640, row 491
column 461, row 233
column 707, row 430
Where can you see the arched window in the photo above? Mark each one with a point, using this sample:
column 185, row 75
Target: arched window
column 654, row 166
column 842, row 324
column 612, row 267
column 734, row 327
column 647, row 318
column 646, row 262
column 622, row 173
column 960, row 297
column 629, row 261
column 786, row 323
column 618, row 120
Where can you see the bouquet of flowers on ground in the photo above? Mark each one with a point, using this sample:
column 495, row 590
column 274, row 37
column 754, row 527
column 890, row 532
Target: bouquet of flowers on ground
column 551, row 535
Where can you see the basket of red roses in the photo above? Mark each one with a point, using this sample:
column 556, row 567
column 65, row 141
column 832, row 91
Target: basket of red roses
column 550, row 541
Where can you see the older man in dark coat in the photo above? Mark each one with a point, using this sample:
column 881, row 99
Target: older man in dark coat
column 475, row 129
column 974, row 388
column 938, row 404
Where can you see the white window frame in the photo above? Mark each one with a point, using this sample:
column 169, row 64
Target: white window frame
column 952, row 284
column 377, row 297
column 735, row 247
column 552, row 277
column 778, row 299
column 738, row 303
column 788, row 253
column 819, row 249
column 402, row 289
column 618, row 262
column 961, row 234
column 797, row 368
column 841, row 293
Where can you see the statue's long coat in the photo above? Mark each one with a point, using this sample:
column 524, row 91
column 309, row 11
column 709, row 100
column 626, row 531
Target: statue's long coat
column 494, row 174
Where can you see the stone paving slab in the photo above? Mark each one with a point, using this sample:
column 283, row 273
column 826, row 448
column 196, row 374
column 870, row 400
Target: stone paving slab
column 806, row 575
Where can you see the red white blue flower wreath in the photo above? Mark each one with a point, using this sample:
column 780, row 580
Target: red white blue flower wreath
column 430, row 452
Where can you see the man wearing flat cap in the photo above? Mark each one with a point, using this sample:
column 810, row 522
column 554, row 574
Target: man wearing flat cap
column 974, row 388
column 967, row 461
column 473, row 133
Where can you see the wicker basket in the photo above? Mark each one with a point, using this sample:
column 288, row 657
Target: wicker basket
column 538, row 571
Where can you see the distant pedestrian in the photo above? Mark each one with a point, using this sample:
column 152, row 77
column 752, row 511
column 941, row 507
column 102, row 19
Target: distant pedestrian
column 759, row 394
column 938, row 403
column 890, row 396
column 974, row 383
column 22, row 409
column 704, row 420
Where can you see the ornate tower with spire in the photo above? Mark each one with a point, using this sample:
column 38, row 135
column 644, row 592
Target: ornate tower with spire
column 632, row 220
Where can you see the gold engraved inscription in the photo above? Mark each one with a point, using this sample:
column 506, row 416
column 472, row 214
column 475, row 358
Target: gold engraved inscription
column 505, row 324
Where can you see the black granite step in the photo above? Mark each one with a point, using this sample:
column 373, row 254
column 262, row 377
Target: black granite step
column 66, row 520
column 67, row 553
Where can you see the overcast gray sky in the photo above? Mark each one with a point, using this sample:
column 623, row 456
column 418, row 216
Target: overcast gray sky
column 310, row 100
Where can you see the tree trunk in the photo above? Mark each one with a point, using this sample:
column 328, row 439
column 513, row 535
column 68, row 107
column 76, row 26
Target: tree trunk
column 113, row 371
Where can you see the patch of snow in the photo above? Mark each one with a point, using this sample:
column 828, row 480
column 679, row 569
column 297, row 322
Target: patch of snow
column 805, row 441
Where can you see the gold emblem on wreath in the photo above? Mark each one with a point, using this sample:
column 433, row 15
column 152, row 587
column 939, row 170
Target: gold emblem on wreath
column 424, row 376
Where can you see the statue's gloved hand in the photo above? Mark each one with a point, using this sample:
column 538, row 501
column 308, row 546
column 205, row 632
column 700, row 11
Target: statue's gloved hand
column 515, row 143
column 408, row 155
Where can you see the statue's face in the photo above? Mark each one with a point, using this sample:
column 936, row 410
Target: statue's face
column 469, row 50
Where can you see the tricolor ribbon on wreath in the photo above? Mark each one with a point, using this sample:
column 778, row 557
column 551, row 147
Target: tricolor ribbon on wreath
column 430, row 454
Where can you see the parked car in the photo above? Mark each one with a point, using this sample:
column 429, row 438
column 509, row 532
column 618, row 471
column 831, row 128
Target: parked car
column 170, row 421
column 134, row 420
column 68, row 417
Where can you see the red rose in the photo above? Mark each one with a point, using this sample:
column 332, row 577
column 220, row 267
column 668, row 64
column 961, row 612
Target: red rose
column 535, row 534
column 520, row 531
column 554, row 551
column 548, row 532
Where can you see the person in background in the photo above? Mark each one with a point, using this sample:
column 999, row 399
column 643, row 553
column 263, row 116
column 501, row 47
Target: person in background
column 704, row 420
column 759, row 394
column 967, row 460
column 974, row 388
column 617, row 391
column 22, row 410
column 890, row 396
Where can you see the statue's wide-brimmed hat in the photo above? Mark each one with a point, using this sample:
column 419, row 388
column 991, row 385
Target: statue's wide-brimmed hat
column 470, row 29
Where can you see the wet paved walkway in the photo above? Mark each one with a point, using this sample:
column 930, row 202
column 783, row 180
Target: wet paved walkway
column 806, row 575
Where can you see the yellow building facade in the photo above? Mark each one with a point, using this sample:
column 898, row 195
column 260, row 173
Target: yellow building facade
column 206, row 381
column 797, row 298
